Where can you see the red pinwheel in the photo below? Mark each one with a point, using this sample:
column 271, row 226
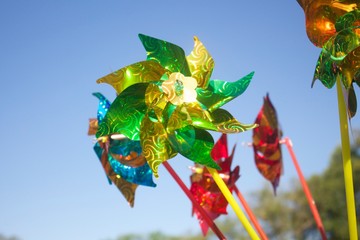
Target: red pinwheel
column 266, row 143
column 268, row 158
column 204, row 188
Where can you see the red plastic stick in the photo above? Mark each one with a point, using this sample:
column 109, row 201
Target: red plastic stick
column 205, row 216
column 306, row 189
column 250, row 214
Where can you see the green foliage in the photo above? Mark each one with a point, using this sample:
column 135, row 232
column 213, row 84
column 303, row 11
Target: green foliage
column 273, row 213
column 329, row 192
column 159, row 236
column 228, row 225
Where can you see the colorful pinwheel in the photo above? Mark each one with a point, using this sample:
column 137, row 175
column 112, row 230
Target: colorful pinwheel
column 120, row 157
column 340, row 58
column 205, row 190
column 168, row 102
column 334, row 26
column 266, row 143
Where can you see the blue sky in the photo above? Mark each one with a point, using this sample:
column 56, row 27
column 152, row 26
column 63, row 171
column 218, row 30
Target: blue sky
column 52, row 185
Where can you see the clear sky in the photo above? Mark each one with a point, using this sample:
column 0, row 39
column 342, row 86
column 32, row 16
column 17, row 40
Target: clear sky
column 52, row 185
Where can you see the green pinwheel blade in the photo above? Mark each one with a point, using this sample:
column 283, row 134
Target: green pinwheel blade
column 139, row 72
column 175, row 117
column 226, row 123
column 155, row 145
column 342, row 43
column 194, row 144
column 125, row 113
column 325, row 70
column 170, row 56
column 200, row 118
column 220, row 92
column 339, row 56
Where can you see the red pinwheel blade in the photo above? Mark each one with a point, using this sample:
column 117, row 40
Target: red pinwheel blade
column 220, row 149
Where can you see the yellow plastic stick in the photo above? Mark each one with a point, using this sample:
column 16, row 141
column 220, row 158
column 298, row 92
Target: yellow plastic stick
column 231, row 200
column 346, row 154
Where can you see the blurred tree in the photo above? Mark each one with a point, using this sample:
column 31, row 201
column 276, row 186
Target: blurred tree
column 157, row 235
column 273, row 212
column 229, row 225
column 288, row 214
column 2, row 237
column 130, row 237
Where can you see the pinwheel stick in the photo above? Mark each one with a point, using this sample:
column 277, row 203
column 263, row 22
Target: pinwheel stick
column 345, row 144
column 205, row 216
column 250, row 214
column 306, row 189
column 231, row 200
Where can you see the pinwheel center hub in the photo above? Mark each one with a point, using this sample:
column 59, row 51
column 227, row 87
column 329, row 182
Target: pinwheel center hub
column 179, row 87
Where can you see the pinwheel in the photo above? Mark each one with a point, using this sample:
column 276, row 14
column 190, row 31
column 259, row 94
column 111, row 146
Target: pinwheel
column 208, row 194
column 168, row 103
column 120, row 157
column 205, row 190
column 268, row 156
column 266, row 144
column 334, row 25
column 339, row 58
